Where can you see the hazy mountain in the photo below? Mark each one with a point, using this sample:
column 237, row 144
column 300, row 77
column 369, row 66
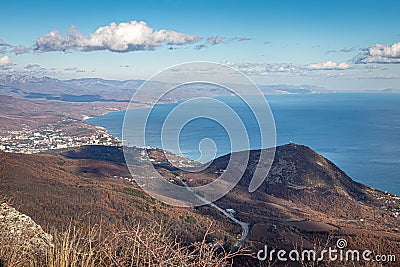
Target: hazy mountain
column 106, row 89
column 291, row 89
column 41, row 87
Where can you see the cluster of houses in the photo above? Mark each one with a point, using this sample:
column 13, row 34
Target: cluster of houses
column 391, row 202
column 30, row 141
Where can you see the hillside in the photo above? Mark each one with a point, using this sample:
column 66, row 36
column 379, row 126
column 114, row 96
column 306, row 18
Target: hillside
column 305, row 195
column 306, row 200
column 55, row 190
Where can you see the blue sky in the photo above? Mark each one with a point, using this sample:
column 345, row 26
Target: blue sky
column 326, row 43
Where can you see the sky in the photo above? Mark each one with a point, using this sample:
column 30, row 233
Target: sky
column 338, row 45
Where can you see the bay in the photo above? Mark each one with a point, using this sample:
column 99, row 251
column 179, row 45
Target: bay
column 359, row 132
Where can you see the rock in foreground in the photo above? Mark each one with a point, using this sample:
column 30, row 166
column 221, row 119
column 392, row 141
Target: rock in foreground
column 21, row 235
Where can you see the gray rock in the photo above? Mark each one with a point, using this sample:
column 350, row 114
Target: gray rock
column 20, row 233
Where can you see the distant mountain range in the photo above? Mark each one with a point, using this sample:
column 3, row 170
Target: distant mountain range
column 46, row 87
column 96, row 89
column 89, row 83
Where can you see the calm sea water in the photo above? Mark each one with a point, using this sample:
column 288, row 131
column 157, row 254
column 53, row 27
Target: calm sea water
column 359, row 132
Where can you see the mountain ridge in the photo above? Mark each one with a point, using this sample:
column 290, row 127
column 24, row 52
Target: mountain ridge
column 25, row 84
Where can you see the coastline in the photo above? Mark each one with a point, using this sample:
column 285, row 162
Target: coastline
column 347, row 148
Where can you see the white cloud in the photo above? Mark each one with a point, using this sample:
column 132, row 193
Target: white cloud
column 214, row 40
column 328, row 65
column 240, row 39
column 289, row 68
column 283, row 67
column 21, row 49
column 29, row 69
column 264, row 69
column 3, row 43
column 71, row 69
column 380, row 53
column 200, row 46
column 248, row 67
column 121, row 37
column 32, row 67
column 348, row 49
column 4, row 61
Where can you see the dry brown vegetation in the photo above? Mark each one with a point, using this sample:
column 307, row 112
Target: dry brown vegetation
column 132, row 245
column 53, row 190
column 136, row 230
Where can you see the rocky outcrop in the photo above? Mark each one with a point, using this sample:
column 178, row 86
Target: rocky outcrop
column 21, row 235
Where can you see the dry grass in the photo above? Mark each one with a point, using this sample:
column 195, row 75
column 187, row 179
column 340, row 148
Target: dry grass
column 134, row 245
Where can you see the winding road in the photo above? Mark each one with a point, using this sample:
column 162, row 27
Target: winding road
column 244, row 225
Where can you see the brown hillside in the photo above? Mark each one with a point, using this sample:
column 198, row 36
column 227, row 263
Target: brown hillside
column 55, row 190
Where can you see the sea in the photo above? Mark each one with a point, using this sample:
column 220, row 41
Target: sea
column 359, row 132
